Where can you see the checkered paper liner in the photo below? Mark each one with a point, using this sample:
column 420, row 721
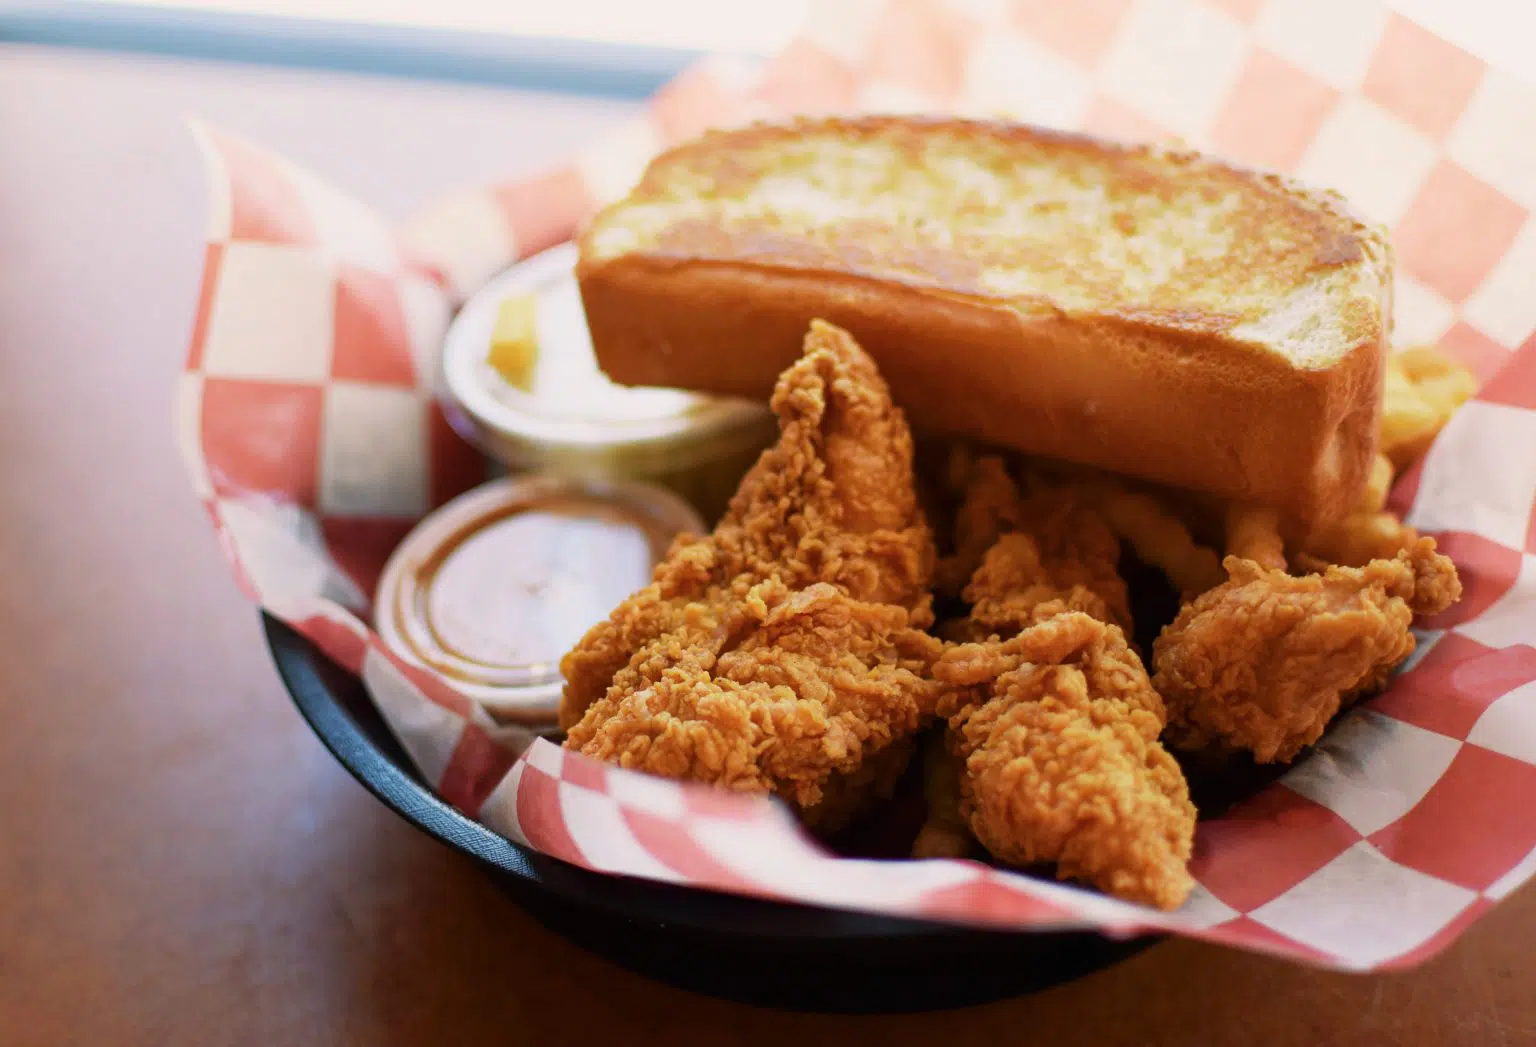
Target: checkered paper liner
column 313, row 438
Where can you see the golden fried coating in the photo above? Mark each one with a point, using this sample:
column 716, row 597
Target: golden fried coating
column 1058, row 726
column 1016, row 548
column 786, row 649
column 1265, row 661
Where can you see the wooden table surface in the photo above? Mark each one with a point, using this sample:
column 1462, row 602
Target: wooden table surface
column 180, row 861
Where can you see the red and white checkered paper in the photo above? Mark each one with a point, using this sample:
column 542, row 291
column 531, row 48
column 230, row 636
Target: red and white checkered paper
column 314, row 440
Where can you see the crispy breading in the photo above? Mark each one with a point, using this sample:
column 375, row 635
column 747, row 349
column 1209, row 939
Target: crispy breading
column 786, row 650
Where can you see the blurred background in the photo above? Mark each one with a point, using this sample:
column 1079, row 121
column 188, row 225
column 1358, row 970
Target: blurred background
column 614, row 47
column 695, row 24
column 610, row 47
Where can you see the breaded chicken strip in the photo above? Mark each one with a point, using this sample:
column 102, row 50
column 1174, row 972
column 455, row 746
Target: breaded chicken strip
column 1264, row 661
column 785, row 650
column 1058, row 727
column 1045, row 542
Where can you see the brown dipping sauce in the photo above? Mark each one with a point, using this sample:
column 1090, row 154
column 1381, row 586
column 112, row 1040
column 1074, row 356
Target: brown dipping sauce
column 494, row 588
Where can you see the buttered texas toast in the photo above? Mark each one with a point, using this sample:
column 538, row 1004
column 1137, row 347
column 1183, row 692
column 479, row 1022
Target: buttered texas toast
column 1156, row 313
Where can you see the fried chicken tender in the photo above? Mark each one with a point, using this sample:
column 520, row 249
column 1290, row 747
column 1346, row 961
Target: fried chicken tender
column 1014, row 580
column 989, row 508
column 1058, row 727
column 1019, row 549
column 1265, row 660
column 786, row 649
column 787, row 691
column 1051, row 713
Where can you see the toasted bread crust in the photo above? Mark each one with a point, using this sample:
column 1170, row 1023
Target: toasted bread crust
column 1196, row 378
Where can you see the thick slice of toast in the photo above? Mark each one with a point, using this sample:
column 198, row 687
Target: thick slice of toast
column 1157, row 313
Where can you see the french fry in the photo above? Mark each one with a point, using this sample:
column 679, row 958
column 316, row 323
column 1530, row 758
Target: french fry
column 1374, row 498
column 1424, row 388
column 1409, row 423
column 1362, row 537
column 1253, row 533
column 1159, row 537
column 1422, row 362
column 1441, row 382
column 944, row 833
column 1309, row 563
column 515, row 341
column 1446, row 392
